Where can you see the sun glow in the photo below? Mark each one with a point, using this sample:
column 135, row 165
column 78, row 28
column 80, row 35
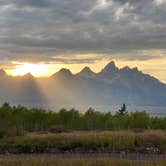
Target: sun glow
column 34, row 69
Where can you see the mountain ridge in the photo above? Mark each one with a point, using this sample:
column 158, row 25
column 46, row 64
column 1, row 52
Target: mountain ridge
column 108, row 69
column 109, row 86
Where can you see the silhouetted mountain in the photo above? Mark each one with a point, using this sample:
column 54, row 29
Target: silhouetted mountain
column 63, row 73
column 86, row 72
column 110, row 68
column 110, row 86
column 114, row 86
column 23, row 90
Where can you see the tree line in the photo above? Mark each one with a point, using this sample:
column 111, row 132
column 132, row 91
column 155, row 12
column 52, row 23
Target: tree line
column 16, row 120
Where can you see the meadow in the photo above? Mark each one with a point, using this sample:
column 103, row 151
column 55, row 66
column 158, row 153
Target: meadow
column 81, row 142
column 46, row 160
column 33, row 136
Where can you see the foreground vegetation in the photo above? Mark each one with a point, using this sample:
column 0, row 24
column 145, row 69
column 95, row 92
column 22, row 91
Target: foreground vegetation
column 77, row 161
column 25, row 130
column 79, row 142
column 16, row 121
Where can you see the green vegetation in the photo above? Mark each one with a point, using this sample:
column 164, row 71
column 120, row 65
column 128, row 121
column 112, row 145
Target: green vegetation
column 25, row 130
column 87, row 141
column 76, row 161
column 16, row 121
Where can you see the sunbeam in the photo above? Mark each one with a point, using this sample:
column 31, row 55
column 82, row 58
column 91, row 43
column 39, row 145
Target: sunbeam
column 34, row 69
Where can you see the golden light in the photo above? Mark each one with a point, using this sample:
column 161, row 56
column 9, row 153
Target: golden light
column 34, row 69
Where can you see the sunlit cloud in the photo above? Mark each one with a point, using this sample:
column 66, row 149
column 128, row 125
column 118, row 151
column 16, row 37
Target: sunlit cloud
column 159, row 2
column 74, row 34
column 154, row 66
column 24, row 68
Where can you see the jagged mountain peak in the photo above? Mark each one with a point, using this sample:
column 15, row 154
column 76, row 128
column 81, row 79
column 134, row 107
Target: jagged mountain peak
column 86, row 71
column 110, row 67
column 135, row 68
column 63, row 72
column 127, row 69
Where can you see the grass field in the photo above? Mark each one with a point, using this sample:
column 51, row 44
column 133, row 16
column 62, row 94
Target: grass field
column 84, row 148
column 46, row 160
column 87, row 141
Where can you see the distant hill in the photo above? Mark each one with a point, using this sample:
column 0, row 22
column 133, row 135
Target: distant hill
column 110, row 86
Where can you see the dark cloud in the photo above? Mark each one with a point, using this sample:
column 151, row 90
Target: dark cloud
column 46, row 28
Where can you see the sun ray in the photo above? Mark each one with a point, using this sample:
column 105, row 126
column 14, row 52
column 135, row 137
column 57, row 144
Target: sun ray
column 34, row 69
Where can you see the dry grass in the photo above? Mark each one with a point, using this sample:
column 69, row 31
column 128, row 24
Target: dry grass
column 87, row 141
column 161, row 133
column 46, row 160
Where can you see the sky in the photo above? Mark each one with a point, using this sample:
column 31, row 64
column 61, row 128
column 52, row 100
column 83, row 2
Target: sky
column 42, row 36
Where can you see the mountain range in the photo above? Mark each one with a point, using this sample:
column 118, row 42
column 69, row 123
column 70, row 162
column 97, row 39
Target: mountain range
column 111, row 86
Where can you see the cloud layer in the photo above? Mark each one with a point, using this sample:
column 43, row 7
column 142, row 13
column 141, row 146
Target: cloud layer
column 40, row 30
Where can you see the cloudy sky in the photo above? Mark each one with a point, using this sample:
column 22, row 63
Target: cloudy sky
column 50, row 34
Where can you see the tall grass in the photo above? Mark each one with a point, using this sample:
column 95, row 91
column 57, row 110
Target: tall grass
column 77, row 161
column 86, row 142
